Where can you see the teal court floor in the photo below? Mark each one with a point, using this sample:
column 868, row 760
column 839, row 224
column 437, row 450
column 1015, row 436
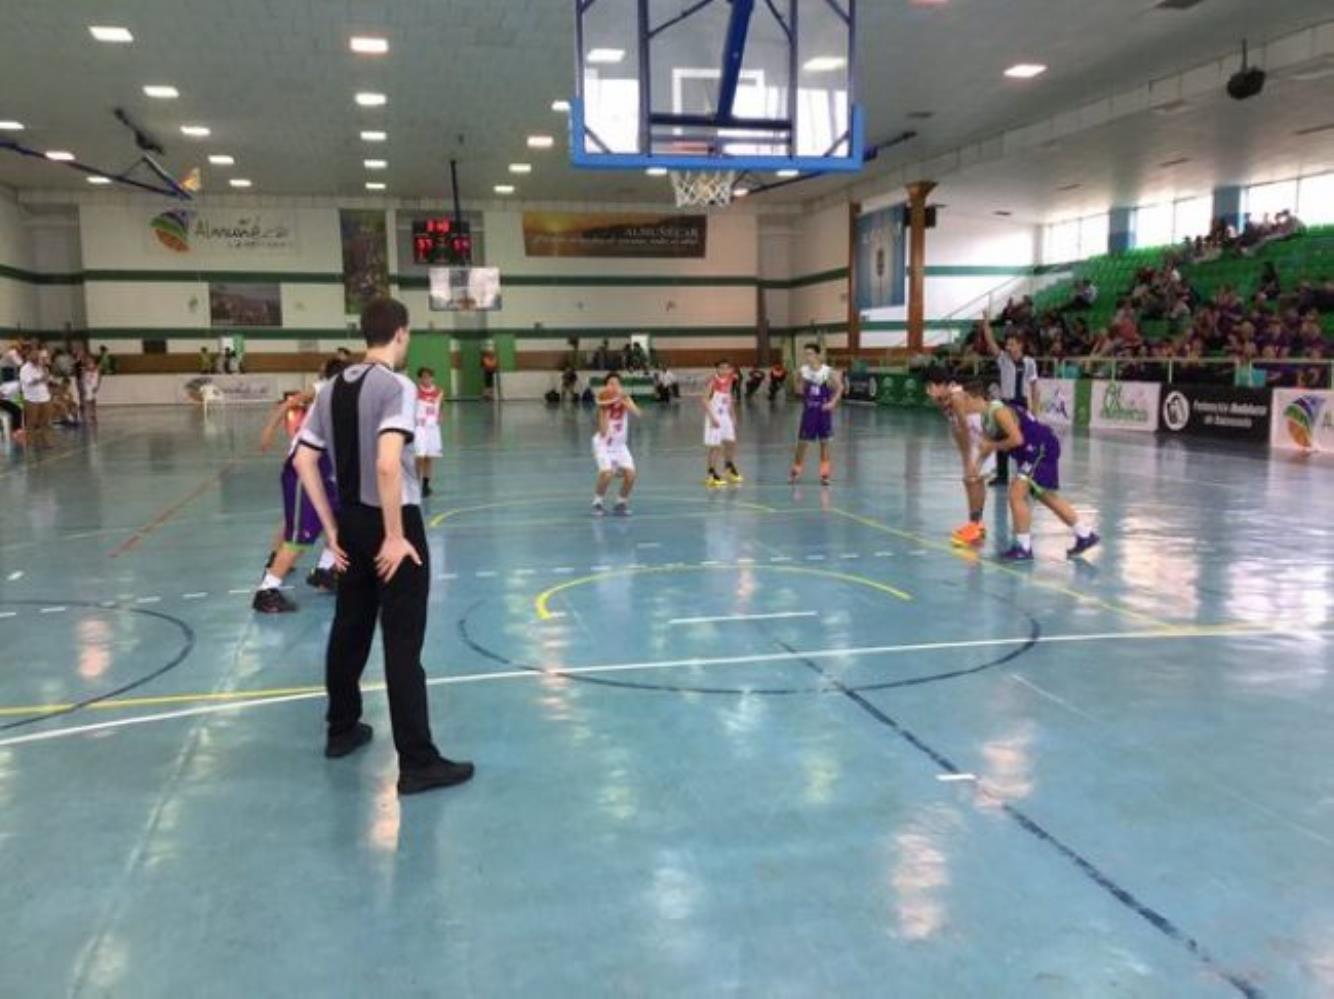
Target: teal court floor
column 761, row 742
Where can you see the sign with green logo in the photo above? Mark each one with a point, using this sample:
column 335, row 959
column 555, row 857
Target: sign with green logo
column 1125, row 405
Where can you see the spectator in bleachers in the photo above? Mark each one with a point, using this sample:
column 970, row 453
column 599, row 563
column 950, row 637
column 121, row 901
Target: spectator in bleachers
column 1085, row 294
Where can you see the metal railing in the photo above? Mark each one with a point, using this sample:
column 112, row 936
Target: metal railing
column 1165, row 369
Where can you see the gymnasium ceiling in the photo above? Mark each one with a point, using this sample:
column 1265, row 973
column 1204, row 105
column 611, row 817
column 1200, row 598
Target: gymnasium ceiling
column 274, row 82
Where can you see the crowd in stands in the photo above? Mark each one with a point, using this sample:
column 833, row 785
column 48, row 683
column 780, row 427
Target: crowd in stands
column 1224, row 238
column 42, row 387
column 1273, row 331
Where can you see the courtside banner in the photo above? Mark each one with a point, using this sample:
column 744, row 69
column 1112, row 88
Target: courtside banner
column 1125, row 405
column 1056, row 401
column 1302, row 420
column 1216, row 411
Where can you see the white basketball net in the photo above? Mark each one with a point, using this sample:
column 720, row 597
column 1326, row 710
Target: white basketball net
column 703, row 188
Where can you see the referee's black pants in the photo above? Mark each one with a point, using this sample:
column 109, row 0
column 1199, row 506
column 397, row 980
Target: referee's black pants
column 400, row 605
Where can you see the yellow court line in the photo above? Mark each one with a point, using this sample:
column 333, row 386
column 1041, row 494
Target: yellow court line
column 164, row 699
column 968, row 555
column 542, row 601
column 440, row 518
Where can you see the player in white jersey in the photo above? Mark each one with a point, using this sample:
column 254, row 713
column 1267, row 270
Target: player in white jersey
column 720, row 427
column 969, row 432
column 611, row 445
column 427, row 440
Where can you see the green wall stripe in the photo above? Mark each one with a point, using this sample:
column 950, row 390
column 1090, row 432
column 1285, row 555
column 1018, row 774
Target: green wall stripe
column 233, row 277
column 32, row 277
column 964, row 270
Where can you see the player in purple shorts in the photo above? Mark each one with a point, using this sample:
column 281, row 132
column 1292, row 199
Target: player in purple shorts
column 821, row 389
column 1037, row 453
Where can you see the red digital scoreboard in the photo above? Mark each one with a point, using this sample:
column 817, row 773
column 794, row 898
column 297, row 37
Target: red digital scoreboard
column 442, row 241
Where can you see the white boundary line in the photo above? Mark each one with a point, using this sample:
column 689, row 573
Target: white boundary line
column 781, row 615
column 518, row 674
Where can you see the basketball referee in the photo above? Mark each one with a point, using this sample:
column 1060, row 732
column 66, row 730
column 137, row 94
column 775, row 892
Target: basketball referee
column 365, row 420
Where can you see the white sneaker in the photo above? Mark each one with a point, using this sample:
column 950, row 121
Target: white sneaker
column 598, row 510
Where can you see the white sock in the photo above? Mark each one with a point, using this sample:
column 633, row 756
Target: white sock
column 1025, row 541
column 597, row 500
column 326, row 560
column 1081, row 531
column 270, row 582
column 621, row 501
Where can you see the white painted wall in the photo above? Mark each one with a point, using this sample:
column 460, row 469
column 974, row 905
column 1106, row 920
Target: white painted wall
column 821, row 244
column 18, row 299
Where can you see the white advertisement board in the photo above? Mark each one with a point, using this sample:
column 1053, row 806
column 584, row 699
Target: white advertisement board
column 1302, row 420
column 1056, row 401
column 1125, row 406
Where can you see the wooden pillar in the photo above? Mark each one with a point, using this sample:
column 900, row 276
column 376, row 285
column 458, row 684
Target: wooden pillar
column 918, row 192
column 854, row 314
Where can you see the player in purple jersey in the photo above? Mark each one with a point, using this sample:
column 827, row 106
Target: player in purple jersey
column 1037, row 452
column 821, row 389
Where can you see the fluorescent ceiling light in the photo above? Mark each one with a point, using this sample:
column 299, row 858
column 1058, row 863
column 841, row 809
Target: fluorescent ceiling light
column 161, row 91
column 375, row 185
column 369, row 100
column 239, row 182
column 221, row 159
column 1025, row 70
column 540, row 142
column 563, row 107
column 504, row 188
column 375, row 164
column 368, row 45
column 740, row 192
column 604, row 55
column 521, row 168
column 11, row 126
column 656, row 171
column 196, row 131
column 824, row 64
column 103, row 33
column 99, row 180
column 373, row 136
column 789, row 173
column 60, row 156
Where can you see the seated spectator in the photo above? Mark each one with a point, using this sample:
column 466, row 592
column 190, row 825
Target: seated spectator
column 1270, row 286
column 569, row 384
column 1086, row 293
column 777, row 378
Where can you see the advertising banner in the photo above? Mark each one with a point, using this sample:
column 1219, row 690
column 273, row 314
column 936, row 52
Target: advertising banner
column 231, row 304
column 1124, row 405
column 627, row 234
column 1216, row 411
column 862, row 386
column 1302, row 419
column 901, row 389
column 1056, row 401
column 365, row 257
column 222, row 235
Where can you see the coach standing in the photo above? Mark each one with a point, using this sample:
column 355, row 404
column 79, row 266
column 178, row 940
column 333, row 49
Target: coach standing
column 365, row 419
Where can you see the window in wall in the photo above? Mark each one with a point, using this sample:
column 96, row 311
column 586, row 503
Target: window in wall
column 1315, row 199
column 1094, row 233
column 1060, row 242
column 1192, row 217
column 1153, row 224
column 1270, row 199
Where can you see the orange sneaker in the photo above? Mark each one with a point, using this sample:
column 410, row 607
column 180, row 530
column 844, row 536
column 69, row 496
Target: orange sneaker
column 970, row 533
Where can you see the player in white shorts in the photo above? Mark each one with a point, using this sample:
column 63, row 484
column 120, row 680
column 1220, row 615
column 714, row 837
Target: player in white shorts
column 427, row 439
column 720, row 427
column 611, row 445
column 968, row 432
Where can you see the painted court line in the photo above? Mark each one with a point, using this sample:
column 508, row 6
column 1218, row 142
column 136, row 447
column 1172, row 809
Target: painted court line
column 743, row 617
column 258, row 698
column 16, row 575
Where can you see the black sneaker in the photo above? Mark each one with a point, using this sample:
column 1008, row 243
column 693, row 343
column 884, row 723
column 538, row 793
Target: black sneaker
column 348, row 742
column 323, row 579
column 272, row 602
column 441, row 773
column 426, row 490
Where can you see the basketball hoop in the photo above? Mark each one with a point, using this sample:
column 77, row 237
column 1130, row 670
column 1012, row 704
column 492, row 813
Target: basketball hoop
column 703, row 188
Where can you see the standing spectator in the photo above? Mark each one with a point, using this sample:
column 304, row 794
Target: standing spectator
column 777, row 377
column 90, row 380
column 106, row 364
column 205, row 361
column 35, row 384
column 490, row 373
column 365, row 419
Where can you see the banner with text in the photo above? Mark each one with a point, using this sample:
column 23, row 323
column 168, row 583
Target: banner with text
column 1124, row 405
column 1056, row 401
column 586, row 234
column 1303, row 419
column 1216, row 411
column 220, row 236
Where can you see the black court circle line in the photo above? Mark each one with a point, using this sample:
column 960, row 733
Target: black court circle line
column 187, row 633
column 1026, row 645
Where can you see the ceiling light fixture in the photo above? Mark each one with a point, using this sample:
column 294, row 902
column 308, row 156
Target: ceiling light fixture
column 656, row 171
column 60, row 156
column 196, row 131
column 504, row 189
column 789, row 173
column 604, row 55
column 540, row 142
column 560, row 107
column 373, row 136
column 371, row 100
column 1176, row 162
column 375, row 185
column 368, row 45
column 112, row 35
column 98, row 179
column 521, row 168
column 239, row 182
column 1025, row 70
column 740, row 192
column 1069, row 187
column 375, row 164
column 824, row 64
column 161, row 91
column 11, row 126
column 221, row 159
